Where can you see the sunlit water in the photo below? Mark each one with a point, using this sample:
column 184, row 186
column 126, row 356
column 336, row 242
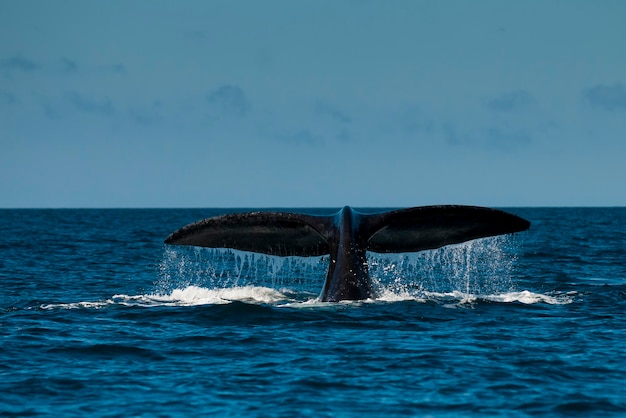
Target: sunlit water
column 99, row 318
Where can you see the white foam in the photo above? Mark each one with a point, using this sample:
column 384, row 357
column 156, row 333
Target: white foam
column 195, row 295
column 188, row 296
column 458, row 298
column 388, row 295
column 78, row 305
column 530, row 298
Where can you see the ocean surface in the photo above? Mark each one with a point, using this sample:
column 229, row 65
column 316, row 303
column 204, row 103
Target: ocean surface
column 99, row 318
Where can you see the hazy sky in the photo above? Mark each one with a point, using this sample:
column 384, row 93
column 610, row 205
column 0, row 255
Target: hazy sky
column 312, row 103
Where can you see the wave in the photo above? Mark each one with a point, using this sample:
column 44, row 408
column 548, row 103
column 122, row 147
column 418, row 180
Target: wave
column 525, row 297
column 195, row 295
column 188, row 296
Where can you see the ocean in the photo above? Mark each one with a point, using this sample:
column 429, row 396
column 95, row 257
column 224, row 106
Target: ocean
column 99, row 318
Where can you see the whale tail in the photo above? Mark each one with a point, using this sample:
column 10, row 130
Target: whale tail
column 347, row 236
column 295, row 234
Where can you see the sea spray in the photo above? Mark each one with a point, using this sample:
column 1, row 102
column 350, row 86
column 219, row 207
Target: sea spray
column 182, row 267
column 478, row 267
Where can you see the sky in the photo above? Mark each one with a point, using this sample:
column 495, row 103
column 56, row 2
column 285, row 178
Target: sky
column 292, row 103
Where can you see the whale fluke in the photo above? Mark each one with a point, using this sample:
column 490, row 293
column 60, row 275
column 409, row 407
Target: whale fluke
column 274, row 233
column 430, row 227
column 347, row 235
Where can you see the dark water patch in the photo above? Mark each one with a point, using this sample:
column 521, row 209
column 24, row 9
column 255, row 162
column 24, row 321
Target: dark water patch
column 30, row 386
column 106, row 352
column 580, row 404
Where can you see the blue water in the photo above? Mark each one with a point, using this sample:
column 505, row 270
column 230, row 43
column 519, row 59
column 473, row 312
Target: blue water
column 99, row 318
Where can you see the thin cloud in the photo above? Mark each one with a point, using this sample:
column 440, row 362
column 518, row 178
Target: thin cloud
column 7, row 97
column 452, row 137
column 510, row 101
column 196, row 35
column 331, row 123
column 494, row 138
column 506, row 140
column 90, row 105
column 119, row 69
column 606, row 97
column 411, row 121
column 305, row 136
column 327, row 111
column 19, row 63
column 228, row 101
column 69, row 66
column 148, row 115
column 107, row 69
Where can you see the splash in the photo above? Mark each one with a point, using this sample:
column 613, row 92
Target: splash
column 194, row 295
column 182, row 267
column 197, row 296
column 529, row 298
column 188, row 296
column 480, row 270
column 478, row 267
column 77, row 305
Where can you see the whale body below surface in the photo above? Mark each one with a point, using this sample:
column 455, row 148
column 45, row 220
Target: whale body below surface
column 347, row 235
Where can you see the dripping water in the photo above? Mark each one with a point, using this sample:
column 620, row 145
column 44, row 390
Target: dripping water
column 479, row 267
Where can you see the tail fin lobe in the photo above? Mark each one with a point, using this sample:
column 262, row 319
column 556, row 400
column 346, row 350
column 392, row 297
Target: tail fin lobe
column 274, row 233
column 429, row 227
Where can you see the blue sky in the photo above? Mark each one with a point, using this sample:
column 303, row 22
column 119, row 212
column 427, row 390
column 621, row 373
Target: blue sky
column 312, row 103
